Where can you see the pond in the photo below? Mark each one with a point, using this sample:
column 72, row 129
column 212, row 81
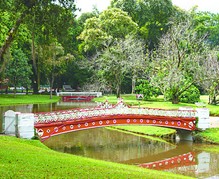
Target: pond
column 105, row 144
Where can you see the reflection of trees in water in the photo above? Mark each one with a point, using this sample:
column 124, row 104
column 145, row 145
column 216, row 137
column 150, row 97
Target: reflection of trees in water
column 107, row 145
column 115, row 146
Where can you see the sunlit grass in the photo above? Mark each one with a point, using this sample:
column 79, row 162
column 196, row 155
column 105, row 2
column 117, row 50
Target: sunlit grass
column 148, row 130
column 210, row 135
column 30, row 159
column 159, row 102
column 6, row 100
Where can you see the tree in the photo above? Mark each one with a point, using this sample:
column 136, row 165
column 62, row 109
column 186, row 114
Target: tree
column 117, row 60
column 208, row 23
column 18, row 70
column 50, row 21
column 47, row 18
column 177, row 62
column 211, row 70
column 110, row 24
column 152, row 17
column 54, row 62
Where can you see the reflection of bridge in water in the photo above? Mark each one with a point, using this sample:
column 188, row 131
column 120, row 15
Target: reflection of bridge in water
column 55, row 123
column 182, row 155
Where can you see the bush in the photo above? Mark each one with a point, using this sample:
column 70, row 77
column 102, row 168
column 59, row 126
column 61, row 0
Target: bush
column 191, row 95
column 144, row 87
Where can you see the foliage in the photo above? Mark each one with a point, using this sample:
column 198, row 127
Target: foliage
column 207, row 23
column 54, row 62
column 117, row 60
column 144, row 87
column 191, row 95
column 177, row 62
column 29, row 159
column 111, row 23
column 152, row 17
column 18, row 70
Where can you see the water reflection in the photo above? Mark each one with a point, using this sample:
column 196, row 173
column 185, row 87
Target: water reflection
column 109, row 145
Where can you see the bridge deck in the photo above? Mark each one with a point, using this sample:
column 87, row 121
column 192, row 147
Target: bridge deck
column 55, row 123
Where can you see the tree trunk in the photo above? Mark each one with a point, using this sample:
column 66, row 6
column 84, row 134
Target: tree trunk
column 133, row 84
column 118, row 91
column 51, row 86
column 35, row 71
column 175, row 99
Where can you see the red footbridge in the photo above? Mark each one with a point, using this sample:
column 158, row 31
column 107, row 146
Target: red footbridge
column 48, row 124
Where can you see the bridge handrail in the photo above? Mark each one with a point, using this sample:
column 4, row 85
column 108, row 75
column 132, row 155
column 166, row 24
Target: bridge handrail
column 108, row 110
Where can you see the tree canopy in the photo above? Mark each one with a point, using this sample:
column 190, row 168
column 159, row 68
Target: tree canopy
column 151, row 44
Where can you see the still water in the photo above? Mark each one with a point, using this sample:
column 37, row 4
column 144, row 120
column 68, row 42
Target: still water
column 114, row 146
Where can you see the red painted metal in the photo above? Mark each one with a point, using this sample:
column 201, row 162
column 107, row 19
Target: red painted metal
column 59, row 122
column 77, row 98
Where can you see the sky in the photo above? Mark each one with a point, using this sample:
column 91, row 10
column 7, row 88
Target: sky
column 203, row 5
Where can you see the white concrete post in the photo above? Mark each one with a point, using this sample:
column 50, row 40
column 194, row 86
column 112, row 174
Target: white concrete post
column 203, row 118
column 19, row 124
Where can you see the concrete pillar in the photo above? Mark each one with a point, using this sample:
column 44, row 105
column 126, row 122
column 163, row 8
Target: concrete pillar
column 203, row 118
column 19, row 124
column 184, row 135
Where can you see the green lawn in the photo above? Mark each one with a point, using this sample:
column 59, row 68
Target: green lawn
column 7, row 100
column 148, row 130
column 21, row 158
column 158, row 103
column 210, row 135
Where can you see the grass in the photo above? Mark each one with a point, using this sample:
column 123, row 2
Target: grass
column 158, row 103
column 210, row 135
column 7, row 100
column 137, row 133
column 148, row 130
column 21, row 158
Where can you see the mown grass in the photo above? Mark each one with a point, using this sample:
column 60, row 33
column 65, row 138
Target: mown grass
column 159, row 102
column 7, row 100
column 148, row 130
column 136, row 133
column 21, row 158
column 210, row 135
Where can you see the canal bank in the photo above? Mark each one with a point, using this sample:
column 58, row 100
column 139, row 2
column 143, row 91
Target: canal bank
column 52, row 107
column 31, row 159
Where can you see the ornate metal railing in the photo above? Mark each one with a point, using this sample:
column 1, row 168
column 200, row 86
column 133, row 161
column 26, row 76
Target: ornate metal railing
column 107, row 109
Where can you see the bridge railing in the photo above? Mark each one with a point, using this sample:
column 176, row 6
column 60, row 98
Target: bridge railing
column 109, row 110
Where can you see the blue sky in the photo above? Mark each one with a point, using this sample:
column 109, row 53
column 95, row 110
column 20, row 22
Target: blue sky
column 203, row 5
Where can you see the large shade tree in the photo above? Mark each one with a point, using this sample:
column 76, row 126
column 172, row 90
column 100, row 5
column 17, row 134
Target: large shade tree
column 110, row 24
column 152, row 17
column 54, row 62
column 177, row 62
column 121, row 58
column 44, row 19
